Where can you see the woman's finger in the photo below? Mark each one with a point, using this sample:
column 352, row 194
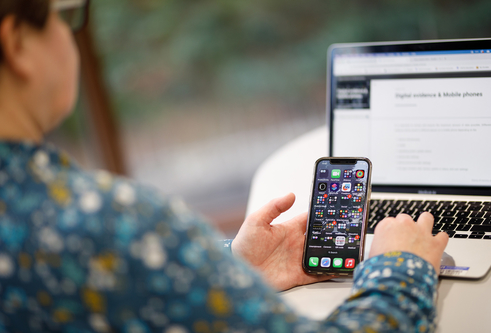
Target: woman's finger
column 267, row 213
column 426, row 221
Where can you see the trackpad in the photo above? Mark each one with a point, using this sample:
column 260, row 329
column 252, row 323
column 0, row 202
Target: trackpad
column 447, row 260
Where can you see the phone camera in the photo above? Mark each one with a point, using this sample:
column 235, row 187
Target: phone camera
column 322, row 186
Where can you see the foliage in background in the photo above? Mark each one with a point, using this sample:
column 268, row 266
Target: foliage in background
column 158, row 53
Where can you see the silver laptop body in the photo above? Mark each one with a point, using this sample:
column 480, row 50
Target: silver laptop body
column 421, row 112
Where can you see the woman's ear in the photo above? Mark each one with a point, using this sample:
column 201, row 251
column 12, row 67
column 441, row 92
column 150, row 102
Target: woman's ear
column 13, row 40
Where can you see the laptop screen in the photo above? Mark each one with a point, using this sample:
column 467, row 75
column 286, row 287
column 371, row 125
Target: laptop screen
column 420, row 112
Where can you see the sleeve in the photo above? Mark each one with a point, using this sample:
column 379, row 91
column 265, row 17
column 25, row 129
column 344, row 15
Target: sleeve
column 394, row 292
column 180, row 279
column 227, row 244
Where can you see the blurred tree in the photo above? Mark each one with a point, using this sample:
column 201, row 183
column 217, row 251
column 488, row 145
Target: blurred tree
column 158, row 53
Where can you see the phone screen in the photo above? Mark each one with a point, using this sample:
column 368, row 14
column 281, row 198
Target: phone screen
column 338, row 213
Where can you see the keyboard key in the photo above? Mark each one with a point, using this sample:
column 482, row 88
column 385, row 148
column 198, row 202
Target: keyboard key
column 438, row 226
column 462, row 213
column 447, row 220
column 436, row 213
column 450, row 213
column 475, row 220
column 446, row 205
column 401, row 203
column 460, row 236
column 476, row 236
column 448, row 226
column 463, row 227
column 476, row 214
column 483, row 228
column 409, row 211
column 487, row 237
column 461, row 220
column 450, row 233
column 429, row 204
column 387, row 202
column 379, row 217
column 475, row 207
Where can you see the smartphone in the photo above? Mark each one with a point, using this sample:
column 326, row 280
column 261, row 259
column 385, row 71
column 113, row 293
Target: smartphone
column 338, row 215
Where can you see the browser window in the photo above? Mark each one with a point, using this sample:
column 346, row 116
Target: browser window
column 421, row 117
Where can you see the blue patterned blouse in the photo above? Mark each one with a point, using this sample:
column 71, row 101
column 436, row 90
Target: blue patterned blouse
column 91, row 252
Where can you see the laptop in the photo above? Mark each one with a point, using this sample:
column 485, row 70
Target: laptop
column 421, row 112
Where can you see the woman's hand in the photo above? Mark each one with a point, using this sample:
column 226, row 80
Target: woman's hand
column 275, row 250
column 403, row 234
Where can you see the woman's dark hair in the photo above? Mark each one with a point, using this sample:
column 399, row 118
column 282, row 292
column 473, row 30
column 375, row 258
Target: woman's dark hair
column 33, row 12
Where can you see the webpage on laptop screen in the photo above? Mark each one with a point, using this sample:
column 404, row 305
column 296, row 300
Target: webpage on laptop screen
column 417, row 123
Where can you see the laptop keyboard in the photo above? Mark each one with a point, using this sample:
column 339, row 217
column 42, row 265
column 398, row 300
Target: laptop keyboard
column 459, row 219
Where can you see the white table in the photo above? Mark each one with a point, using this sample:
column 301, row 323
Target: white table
column 463, row 305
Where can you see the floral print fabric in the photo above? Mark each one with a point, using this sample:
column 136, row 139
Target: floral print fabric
column 91, row 252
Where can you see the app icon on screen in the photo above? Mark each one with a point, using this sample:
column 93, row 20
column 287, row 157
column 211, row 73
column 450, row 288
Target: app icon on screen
column 347, row 173
column 346, row 187
column 357, row 199
column 325, row 262
column 355, row 213
column 349, row 263
column 360, row 173
column 322, row 186
column 337, row 262
column 358, row 187
column 334, row 187
column 336, row 173
column 313, row 261
column 340, row 240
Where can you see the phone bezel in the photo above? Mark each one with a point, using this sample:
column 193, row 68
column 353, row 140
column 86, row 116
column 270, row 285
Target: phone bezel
column 366, row 212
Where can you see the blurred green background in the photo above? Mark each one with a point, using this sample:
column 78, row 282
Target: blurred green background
column 204, row 91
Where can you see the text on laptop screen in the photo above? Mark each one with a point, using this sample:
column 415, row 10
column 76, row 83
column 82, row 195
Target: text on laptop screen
column 423, row 118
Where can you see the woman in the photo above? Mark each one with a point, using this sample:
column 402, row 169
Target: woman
column 87, row 251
